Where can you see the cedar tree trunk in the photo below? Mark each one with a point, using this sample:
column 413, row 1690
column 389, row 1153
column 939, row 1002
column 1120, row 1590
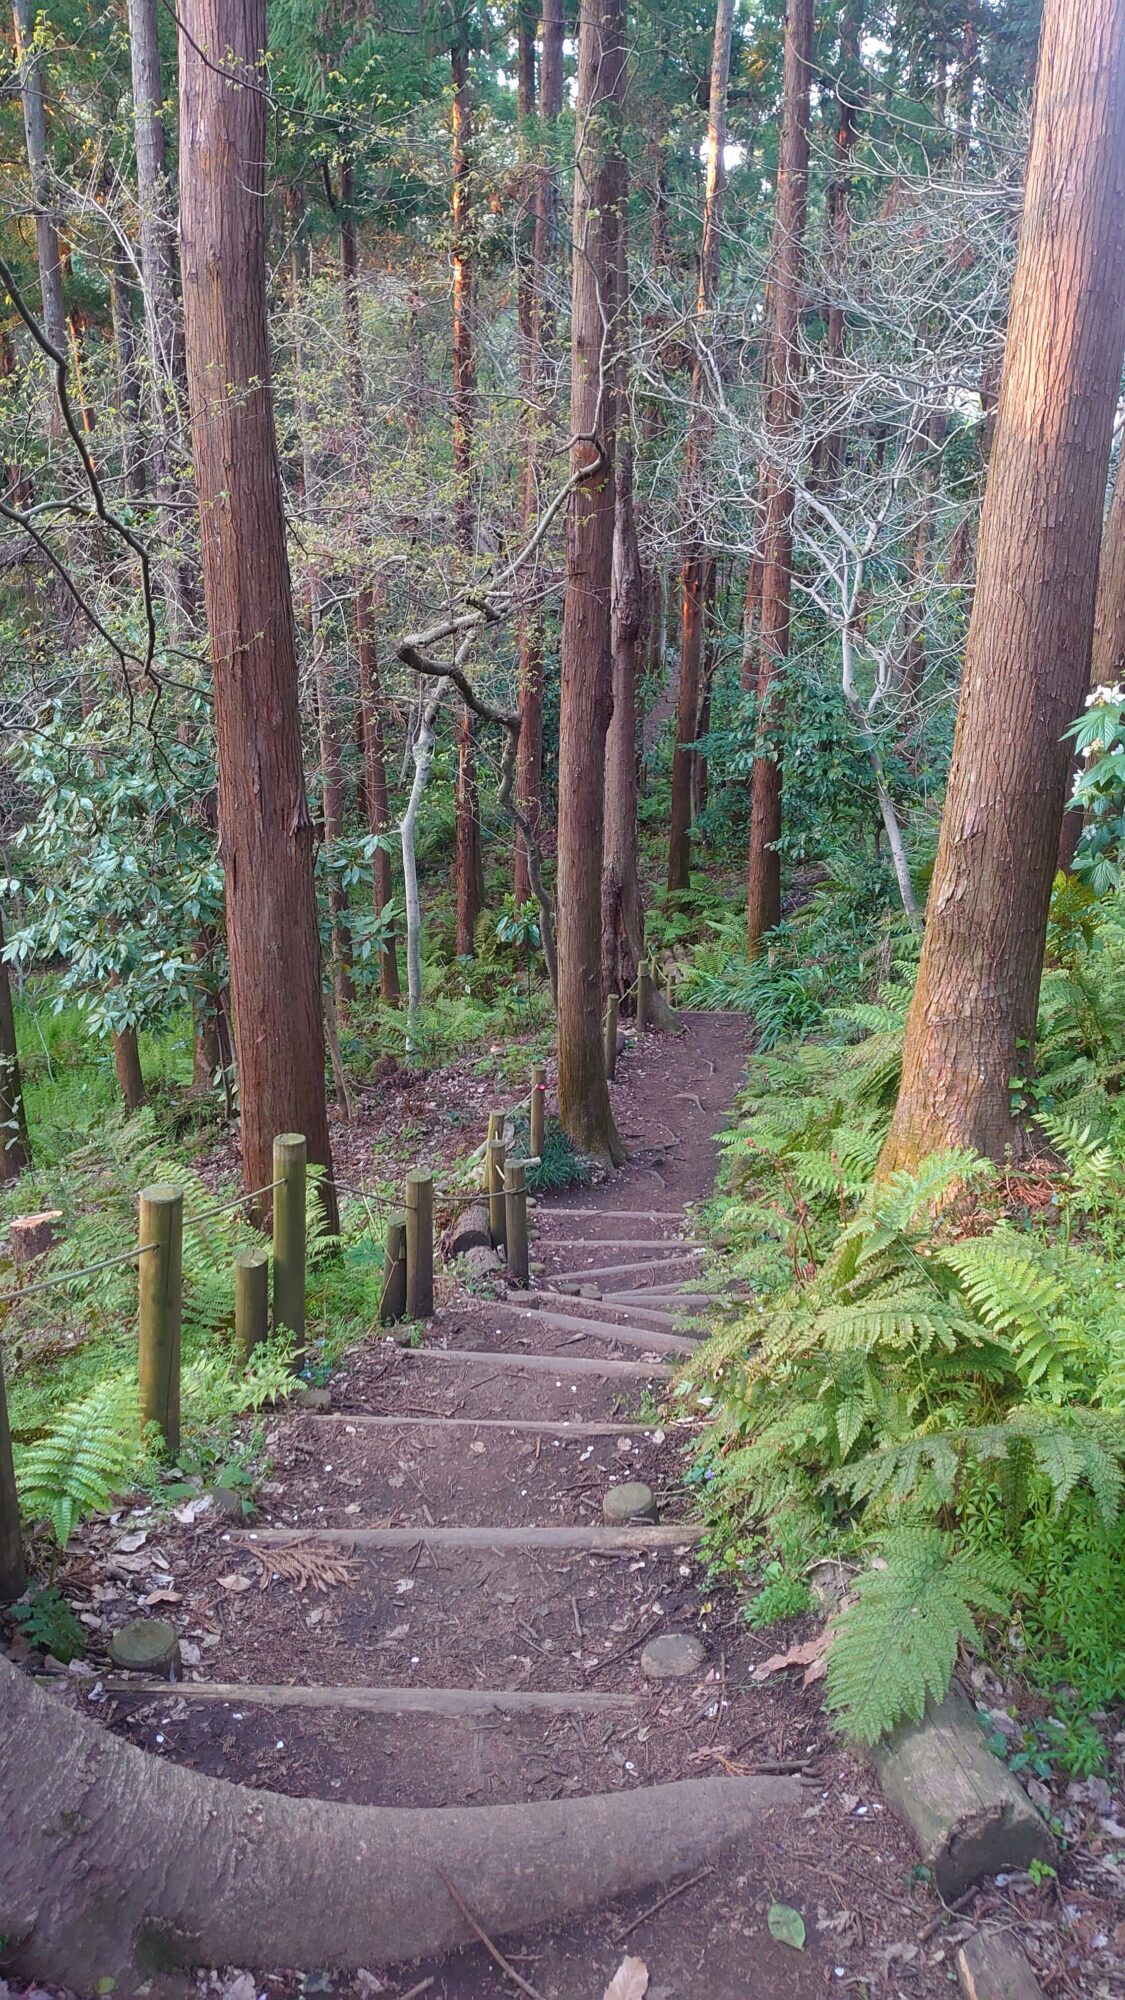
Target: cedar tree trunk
column 39, row 169
column 264, row 824
column 375, row 769
column 467, row 864
column 697, row 567
column 786, row 276
column 1107, row 658
column 586, row 689
column 15, row 1150
column 971, row 1024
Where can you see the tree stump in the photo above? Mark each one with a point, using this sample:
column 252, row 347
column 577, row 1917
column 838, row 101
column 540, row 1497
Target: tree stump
column 30, row 1235
column 146, row 1646
column 969, row 1815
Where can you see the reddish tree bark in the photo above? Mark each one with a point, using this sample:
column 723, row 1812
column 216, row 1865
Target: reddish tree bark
column 697, row 570
column 786, row 274
column 971, row 1024
column 264, row 824
column 467, row 864
column 586, row 691
column 1107, row 654
column 536, row 304
column 15, row 1151
column 378, row 804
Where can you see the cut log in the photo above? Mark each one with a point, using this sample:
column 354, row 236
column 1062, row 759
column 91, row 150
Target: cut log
column 627, row 1336
column 628, row 1309
column 618, row 1270
column 618, row 1243
column 30, row 1235
column 542, row 1426
column 543, row 1364
column 469, row 1232
column 452, row 1702
column 146, row 1646
column 595, row 1541
column 991, row 1967
column 114, row 1861
column 968, row 1814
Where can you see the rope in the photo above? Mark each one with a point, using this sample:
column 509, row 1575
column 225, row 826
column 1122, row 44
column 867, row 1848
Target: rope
column 71, row 1277
column 224, row 1207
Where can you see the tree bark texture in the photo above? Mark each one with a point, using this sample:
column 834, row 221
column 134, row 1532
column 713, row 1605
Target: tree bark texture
column 13, row 1573
column 127, row 1063
column 375, row 787
column 33, row 100
column 540, row 328
column 622, row 909
column 786, row 278
column 971, row 1024
column 586, row 685
column 264, row 823
column 467, row 861
column 15, row 1150
column 1107, row 655
column 116, row 1862
column 696, row 562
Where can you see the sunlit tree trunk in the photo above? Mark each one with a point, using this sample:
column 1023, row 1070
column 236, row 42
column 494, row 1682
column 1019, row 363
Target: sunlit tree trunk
column 33, row 100
column 786, row 276
column 540, row 328
column 586, row 690
column 15, row 1150
column 971, row 1025
column 1107, row 656
column 377, row 799
column 264, row 823
column 697, row 570
column 467, row 862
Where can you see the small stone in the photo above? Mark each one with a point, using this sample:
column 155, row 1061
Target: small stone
column 311, row 1399
column 146, row 1646
column 631, row 1501
column 589, row 1291
column 230, row 1505
column 672, row 1656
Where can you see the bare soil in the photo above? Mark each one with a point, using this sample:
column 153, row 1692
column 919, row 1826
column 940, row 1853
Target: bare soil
column 545, row 1620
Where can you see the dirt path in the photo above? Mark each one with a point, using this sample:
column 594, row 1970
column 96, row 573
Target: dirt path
column 466, row 1433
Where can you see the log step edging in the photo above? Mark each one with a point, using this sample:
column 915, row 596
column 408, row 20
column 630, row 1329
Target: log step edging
column 595, row 1329
column 607, row 1303
column 541, row 1425
column 544, row 1364
column 596, row 1541
column 372, row 1700
column 616, row 1270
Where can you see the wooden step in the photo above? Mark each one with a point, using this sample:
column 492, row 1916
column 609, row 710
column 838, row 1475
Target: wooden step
column 608, row 1303
column 597, row 1541
column 669, row 1295
column 616, row 1243
column 543, row 1364
column 540, row 1425
column 547, row 1207
column 617, row 1270
column 369, row 1700
column 594, row 1329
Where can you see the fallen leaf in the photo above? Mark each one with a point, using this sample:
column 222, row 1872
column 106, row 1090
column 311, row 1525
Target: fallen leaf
column 242, row 1988
column 813, row 1655
column 129, row 1543
column 302, row 1564
column 234, row 1583
column 191, row 1512
column 162, row 1597
column 629, row 1982
column 787, row 1925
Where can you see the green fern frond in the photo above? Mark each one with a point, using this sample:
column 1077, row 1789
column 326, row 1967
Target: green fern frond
column 92, row 1455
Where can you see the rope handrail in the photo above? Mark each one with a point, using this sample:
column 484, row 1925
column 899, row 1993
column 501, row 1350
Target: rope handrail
column 71, row 1277
column 237, row 1201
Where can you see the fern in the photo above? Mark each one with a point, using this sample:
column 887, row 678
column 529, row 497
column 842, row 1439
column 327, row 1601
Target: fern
column 93, row 1454
column 895, row 1648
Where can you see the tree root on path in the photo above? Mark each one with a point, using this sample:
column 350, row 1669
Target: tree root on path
column 115, row 1865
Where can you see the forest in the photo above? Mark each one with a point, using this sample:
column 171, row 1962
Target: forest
column 562, row 695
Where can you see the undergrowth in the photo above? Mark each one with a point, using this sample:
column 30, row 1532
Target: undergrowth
column 930, row 1383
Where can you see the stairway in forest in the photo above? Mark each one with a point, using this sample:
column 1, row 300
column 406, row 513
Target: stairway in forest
column 443, row 1601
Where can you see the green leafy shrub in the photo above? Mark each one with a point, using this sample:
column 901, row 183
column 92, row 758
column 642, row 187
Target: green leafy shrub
column 46, row 1620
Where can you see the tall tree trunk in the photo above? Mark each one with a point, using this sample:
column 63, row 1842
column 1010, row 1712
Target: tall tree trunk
column 697, row 569
column 930, row 439
column 13, row 1570
column 586, row 690
column 971, row 1025
column 622, row 910
column 128, row 385
column 838, row 216
column 786, row 275
column 264, row 823
column 467, row 864
column 15, row 1150
column 378, row 803
column 1107, row 655
column 164, row 334
column 127, row 1063
column 328, row 725
column 33, row 99
column 529, row 776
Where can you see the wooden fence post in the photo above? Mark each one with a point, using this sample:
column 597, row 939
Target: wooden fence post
column 160, row 1285
column 612, row 1010
column 495, row 1184
column 13, row 1575
column 515, row 1218
column 251, row 1301
column 495, row 1131
column 392, row 1300
column 419, row 1245
column 644, row 995
column 289, row 1159
column 538, row 1115
column 670, row 989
